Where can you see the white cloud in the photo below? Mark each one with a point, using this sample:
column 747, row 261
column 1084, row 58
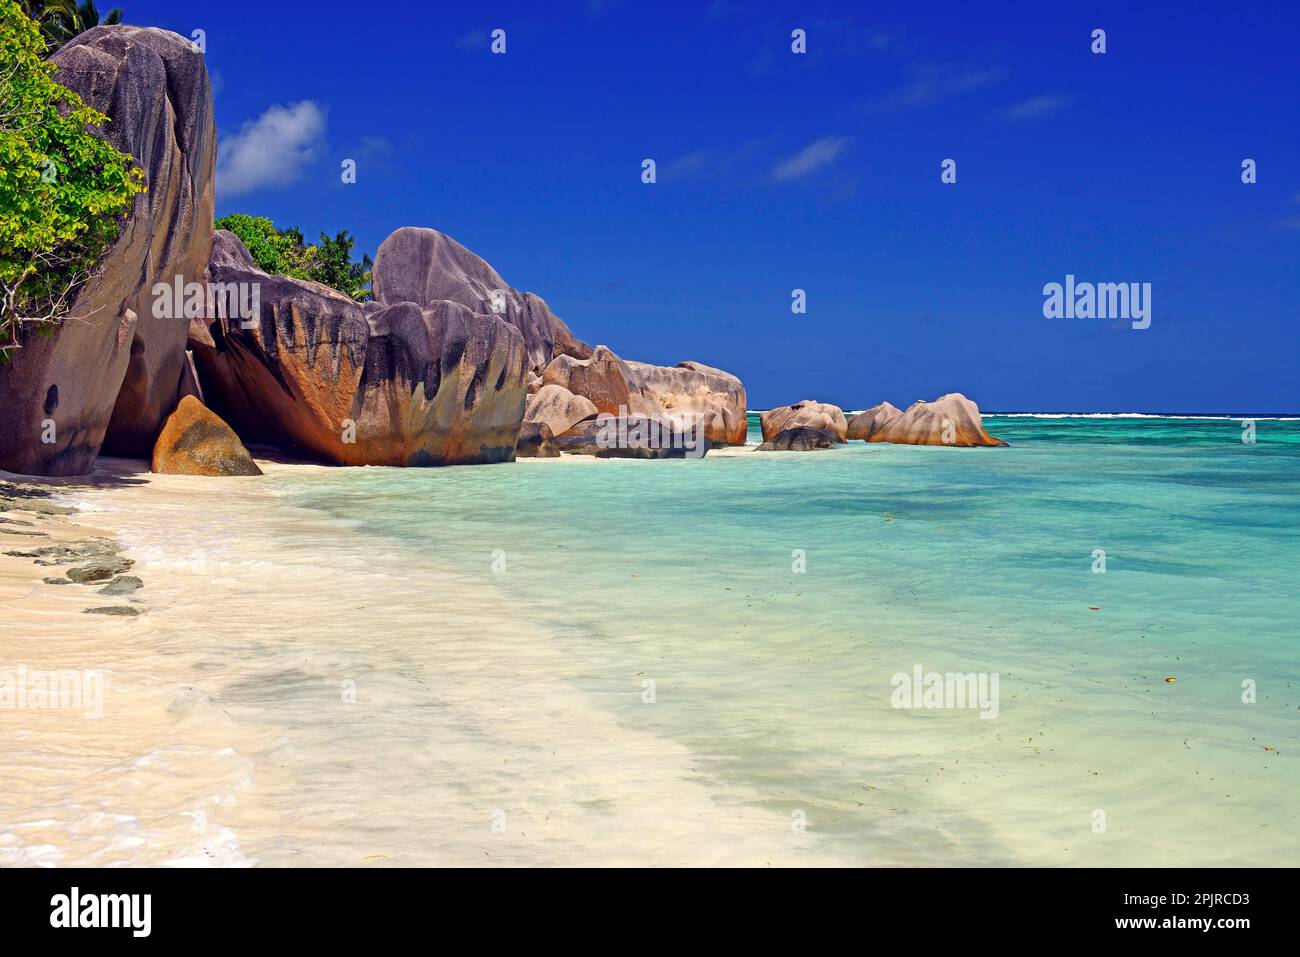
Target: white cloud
column 932, row 82
column 1033, row 108
column 476, row 41
column 811, row 158
column 271, row 150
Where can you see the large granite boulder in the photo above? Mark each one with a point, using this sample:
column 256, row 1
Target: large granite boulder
column 692, row 391
column 109, row 374
column 801, row 438
column 951, row 419
column 559, row 408
column 425, row 266
column 610, row 383
column 867, row 423
column 809, row 414
column 194, row 441
column 325, row 377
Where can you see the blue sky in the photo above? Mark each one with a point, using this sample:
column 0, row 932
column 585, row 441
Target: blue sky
column 820, row 171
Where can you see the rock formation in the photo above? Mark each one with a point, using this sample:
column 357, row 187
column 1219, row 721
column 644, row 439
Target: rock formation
column 684, row 394
column 425, row 266
column 810, row 414
column 632, row 436
column 109, row 375
column 951, row 419
column 196, row 442
column 801, row 438
column 536, row 441
column 327, row 378
column 690, row 391
column 558, row 408
column 865, row 424
column 604, row 378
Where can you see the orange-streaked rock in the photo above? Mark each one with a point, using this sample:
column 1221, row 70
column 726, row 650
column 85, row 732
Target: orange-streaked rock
column 867, row 423
column 951, row 419
column 327, row 378
column 609, row 382
column 805, row 414
column 691, row 391
column 194, row 441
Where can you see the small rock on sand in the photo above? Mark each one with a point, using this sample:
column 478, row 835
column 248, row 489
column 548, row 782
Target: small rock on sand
column 122, row 585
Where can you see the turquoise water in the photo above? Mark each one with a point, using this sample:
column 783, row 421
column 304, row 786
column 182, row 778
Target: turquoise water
column 778, row 681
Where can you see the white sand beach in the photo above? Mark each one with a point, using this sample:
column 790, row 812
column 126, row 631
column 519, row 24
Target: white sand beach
column 270, row 707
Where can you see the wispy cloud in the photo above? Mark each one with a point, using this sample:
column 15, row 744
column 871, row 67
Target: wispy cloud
column 816, row 155
column 1034, row 108
column 475, row 41
column 271, row 150
column 693, row 162
column 931, row 82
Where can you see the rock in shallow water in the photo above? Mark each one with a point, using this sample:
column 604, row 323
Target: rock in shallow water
column 800, row 439
column 121, row 585
column 633, row 436
column 951, row 419
column 691, row 391
column 806, row 414
column 100, row 570
column 867, row 423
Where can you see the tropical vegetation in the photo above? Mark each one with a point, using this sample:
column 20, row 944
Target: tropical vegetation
column 286, row 253
column 61, row 20
column 64, row 189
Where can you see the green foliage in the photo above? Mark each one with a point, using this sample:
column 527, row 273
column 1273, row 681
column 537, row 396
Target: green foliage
column 63, row 188
column 285, row 253
column 61, row 20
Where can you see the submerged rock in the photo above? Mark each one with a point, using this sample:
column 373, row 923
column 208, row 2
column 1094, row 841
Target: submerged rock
column 197, row 442
column 800, row 439
column 100, row 570
column 109, row 373
column 121, row 611
column 951, row 419
column 121, row 585
column 807, row 414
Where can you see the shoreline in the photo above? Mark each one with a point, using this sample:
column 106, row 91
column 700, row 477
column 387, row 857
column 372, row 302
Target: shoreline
column 224, row 739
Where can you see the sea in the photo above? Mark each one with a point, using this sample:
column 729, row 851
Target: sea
column 1079, row 650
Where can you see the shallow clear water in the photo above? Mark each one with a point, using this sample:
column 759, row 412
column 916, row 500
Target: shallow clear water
column 957, row 560
column 384, row 666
